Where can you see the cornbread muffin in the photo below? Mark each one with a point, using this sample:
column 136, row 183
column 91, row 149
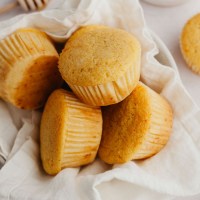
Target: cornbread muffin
column 28, row 68
column 101, row 64
column 136, row 128
column 70, row 132
column 190, row 45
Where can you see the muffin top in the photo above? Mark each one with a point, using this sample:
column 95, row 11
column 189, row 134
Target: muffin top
column 98, row 54
column 133, row 117
column 190, row 45
column 52, row 131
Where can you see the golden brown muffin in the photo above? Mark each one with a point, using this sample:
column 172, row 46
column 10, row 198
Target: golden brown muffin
column 70, row 132
column 136, row 128
column 190, row 45
column 28, row 68
column 101, row 64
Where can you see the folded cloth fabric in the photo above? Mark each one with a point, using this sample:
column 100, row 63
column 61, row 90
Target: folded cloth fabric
column 175, row 171
column 8, row 132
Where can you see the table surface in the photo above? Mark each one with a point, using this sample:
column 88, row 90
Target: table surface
column 167, row 23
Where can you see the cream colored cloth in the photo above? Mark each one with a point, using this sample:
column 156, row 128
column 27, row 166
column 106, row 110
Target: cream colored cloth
column 175, row 171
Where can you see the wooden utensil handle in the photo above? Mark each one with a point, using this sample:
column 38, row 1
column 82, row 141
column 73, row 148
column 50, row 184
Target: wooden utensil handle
column 8, row 7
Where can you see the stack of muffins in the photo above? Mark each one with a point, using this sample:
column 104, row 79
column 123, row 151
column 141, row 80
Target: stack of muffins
column 101, row 65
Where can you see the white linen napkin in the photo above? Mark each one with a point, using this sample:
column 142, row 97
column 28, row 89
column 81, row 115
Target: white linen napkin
column 175, row 171
column 8, row 132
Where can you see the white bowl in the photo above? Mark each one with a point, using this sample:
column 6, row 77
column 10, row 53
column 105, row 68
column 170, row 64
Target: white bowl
column 165, row 2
